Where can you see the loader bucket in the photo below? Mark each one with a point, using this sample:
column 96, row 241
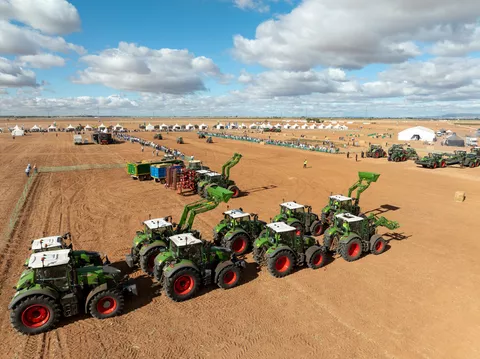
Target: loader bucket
column 368, row 176
column 219, row 194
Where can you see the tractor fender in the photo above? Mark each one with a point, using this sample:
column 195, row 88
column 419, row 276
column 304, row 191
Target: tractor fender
column 168, row 271
column 155, row 244
column 345, row 239
column 45, row 291
column 373, row 239
column 94, row 291
column 220, row 267
column 274, row 250
column 261, row 241
column 230, row 234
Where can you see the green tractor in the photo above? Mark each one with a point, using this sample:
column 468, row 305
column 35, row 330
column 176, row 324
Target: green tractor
column 209, row 139
column 376, row 151
column 201, row 135
column 351, row 235
column 54, row 285
column 462, row 158
column 148, row 243
column 191, row 262
column 301, row 217
column 339, row 203
column 432, row 160
column 237, row 230
column 208, row 179
column 281, row 249
column 397, row 153
column 158, row 136
column 180, row 141
column 196, row 165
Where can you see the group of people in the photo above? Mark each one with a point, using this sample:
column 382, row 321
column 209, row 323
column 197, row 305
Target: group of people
column 29, row 169
column 155, row 147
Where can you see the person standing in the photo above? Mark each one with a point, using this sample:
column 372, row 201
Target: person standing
column 305, row 164
column 348, row 154
column 27, row 171
column 35, row 169
column 356, row 157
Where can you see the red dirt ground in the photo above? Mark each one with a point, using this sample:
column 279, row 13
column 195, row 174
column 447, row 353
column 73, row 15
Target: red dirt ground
column 417, row 300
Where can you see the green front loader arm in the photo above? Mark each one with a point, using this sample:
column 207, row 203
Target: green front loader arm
column 216, row 195
column 360, row 185
column 383, row 222
column 230, row 164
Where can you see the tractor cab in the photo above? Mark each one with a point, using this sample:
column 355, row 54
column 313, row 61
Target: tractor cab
column 292, row 209
column 339, row 202
column 281, row 233
column 157, row 228
column 186, row 246
column 213, row 177
column 196, row 165
column 347, row 222
column 52, row 268
column 235, row 216
column 52, row 243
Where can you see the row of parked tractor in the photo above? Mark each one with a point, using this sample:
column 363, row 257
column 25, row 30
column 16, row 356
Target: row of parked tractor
column 60, row 281
column 400, row 153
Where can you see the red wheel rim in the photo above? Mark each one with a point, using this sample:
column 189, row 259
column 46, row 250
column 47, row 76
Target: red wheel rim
column 434, row 165
column 229, row 277
column 183, row 284
column 444, row 164
column 379, row 246
column 318, row 230
column 235, row 192
column 106, row 305
column 35, row 316
column 239, row 245
column 317, row 260
column 353, row 249
column 282, row 264
column 298, row 231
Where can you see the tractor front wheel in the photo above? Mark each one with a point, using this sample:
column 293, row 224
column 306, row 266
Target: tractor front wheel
column 35, row 314
column 106, row 304
column 379, row 246
column 147, row 261
column 259, row 255
column 317, row 228
column 351, row 250
column 182, row 285
column 316, row 259
column 229, row 277
column 235, row 190
column 239, row 244
column 281, row 264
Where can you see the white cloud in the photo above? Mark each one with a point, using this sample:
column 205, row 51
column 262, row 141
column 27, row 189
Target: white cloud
column 257, row 5
column 349, row 34
column 49, row 16
column 468, row 41
column 137, row 68
column 41, row 61
column 12, row 75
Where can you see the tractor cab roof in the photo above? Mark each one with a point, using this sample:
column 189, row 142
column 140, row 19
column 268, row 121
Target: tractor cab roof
column 236, row 213
column 46, row 242
column 181, row 240
column 203, row 172
column 212, row 174
column 195, row 161
column 348, row 217
column 157, row 223
column 292, row 205
column 49, row 259
column 280, row 227
column 340, row 198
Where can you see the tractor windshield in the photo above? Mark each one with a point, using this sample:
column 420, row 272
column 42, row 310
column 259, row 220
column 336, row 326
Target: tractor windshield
column 54, row 276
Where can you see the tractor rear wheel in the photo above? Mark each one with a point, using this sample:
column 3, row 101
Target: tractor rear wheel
column 235, row 190
column 472, row 164
column 404, row 159
column 298, row 228
column 106, row 304
column 434, row 165
column 443, row 164
column 316, row 259
column 351, row 250
column 182, row 285
column 239, row 244
column 147, row 261
column 379, row 246
column 229, row 277
column 317, row 228
column 35, row 314
column 281, row 264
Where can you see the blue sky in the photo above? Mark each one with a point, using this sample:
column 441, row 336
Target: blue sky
column 238, row 57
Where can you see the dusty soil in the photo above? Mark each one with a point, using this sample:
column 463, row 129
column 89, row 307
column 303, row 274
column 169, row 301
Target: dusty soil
column 417, row 300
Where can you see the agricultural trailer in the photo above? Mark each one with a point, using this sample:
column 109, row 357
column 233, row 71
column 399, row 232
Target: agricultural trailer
column 462, row 158
column 141, row 170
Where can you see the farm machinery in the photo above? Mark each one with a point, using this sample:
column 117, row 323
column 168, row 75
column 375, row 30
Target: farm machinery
column 208, row 179
column 209, row 139
column 351, row 235
column 299, row 216
column 339, row 203
column 397, row 153
column 376, row 151
column 280, row 248
column 148, row 243
column 54, row 285
column 191, row 262
column 201, row 135
column 237, row 230
column 158, row 136
column 180, row 141
column 462, row 158
column 432, row 160
column 141, row 170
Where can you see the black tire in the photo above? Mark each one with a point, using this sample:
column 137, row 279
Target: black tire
column 238, row 244
column 299, row 230
column 229, row 277
column 106, row 304
column 182, row 285
column 281, row 264
column 317, row 228
column 316, row 257
column 35, row 314
column 351, row 250
column 147, row 261
column 235, row 190
column 379, row 246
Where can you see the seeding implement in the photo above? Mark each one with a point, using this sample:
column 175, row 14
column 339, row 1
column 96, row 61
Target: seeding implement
column 432, row 160
column 351, row 235
column 141, row 170
column 376, row 151
column 280, row 248
column 301, row 217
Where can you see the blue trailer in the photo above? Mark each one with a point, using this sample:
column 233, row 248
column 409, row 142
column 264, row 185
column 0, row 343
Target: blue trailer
column 159, row 172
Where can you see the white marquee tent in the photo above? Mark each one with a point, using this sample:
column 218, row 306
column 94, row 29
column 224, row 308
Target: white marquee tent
column 52, row 128
column 220, row 126
column 149, row 127
column 17, row 131
column 118, row 127
column 102, row 126
column 176, row 127
column 295, row 126
column 312, row 126
column 418, row 133
column 286, row 126
column 70, row 128
column 252, row 126
column 163, row 126
column 203, row 126
column 88, row 128
column 243, row 126
column 35, row 128
column 189, row 126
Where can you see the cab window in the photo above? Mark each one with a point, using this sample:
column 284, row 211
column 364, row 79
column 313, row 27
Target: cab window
column 56, row 276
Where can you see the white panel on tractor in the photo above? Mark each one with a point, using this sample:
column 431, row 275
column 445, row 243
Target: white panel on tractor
column 49, row 259
column 157, row 223
column 203, row 171
column 46, row 242
column 236, row 213
column 348, row 217
column 340, row 198
column 213, row 174
column 184, row 239
column 280, row 227
column 292, row 205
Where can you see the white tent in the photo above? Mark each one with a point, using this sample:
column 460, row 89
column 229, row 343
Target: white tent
column 328, row 127
column 242, row 126
column 105, row 130
column 252, row 126
column 149, row 127
column 118, row 127
column 177, row 127
column 17, row 131
column 163, row 127
column 304, row 126
column 418, row 133
column 286, row 126
column 312, row 126
column 295, row 127
column 278, row 126
column 102, row 126
column 70, row 128
column 321, row 126
column 203, row 126
column 350, row 122
column 189, row 126
column 35, row 128
column 233, row 126
column 52, row 128
column 343, row 127
column 266, row 126
column 220, row 126
column 336, row 127
column 88, row 128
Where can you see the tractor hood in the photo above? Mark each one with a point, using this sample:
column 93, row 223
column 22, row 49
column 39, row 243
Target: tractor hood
column 85, row 258
column 139, row 238
column 96, row 275
column 220, row 227
column 26, row 280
